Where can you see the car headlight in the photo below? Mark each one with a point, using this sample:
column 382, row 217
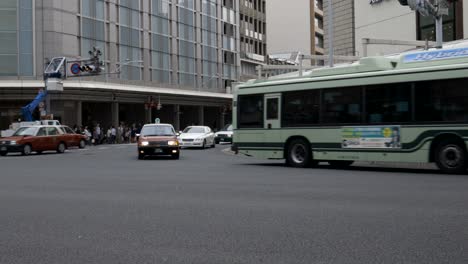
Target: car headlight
column 145, row 143
column 173, row 143
column 12, row 142
column 229, row 135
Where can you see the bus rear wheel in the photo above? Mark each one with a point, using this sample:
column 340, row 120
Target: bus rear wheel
column 340, row 164
column 450, row 157
column 299, row 154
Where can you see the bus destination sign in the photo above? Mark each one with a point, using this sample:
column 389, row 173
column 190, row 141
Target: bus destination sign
column 436, row 55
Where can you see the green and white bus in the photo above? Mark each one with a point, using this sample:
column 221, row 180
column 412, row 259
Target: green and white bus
column 410, row 107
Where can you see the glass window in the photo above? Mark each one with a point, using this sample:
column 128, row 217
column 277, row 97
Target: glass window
column 301, row 108
column 26, row 64
column 342, row 105
column 161, row 60
column 8, row 19
column 161, row 76
column 8, row 65
column 250, row 111
column 161, row 8
column 186, row 32
column 187, row 3
column 160, row 130
column 8, row 42
column 388, row 103
column 426, row 28
column 186, row 16
column 8, row 4
column 442, row 101
column 52, row 131
column 41, row 132
column 160, row 25
column 187, row 79
column 26, row 131
column 272, row 108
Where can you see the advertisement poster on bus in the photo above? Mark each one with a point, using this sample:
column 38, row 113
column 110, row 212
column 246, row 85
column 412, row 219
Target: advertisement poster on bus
column 379, row 137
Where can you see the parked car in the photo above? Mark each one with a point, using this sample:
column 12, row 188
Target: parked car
column 197, row 136
column 73, row 139
column 224, row 135
column 34, row 138
column 158, row 139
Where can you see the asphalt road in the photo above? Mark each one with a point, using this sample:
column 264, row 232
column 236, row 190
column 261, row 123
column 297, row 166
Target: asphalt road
column 102, row 205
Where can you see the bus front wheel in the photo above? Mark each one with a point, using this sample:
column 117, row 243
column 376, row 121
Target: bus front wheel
column 299, row 154
column 450, row 157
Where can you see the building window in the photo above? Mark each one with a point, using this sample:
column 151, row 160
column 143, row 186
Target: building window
column 16, row 50
column 319, row 4
column 130, row 39
column 319, row 41
column 451, row 26
column 319, row 22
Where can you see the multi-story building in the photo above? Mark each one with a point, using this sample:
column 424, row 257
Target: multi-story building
column 389, row 20
column 181, row 53
column 253, row 39
column 343, row 26
column 295, row 27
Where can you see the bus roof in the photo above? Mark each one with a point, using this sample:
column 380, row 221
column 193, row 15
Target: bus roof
column 454, row 53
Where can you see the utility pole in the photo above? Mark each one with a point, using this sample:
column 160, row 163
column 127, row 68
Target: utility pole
column 330, row 34
column 435, row 8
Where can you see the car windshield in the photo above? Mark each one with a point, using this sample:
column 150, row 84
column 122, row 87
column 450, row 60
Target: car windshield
column 148, row 131
column 26, row 131
column 193, row 130
column 227, row 128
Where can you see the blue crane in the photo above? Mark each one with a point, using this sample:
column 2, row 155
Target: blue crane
column 29, row 109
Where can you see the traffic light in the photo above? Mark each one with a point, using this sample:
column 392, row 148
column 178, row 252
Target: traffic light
column 88, row 68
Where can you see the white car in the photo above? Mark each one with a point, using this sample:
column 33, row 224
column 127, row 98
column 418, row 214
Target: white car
column 224, row 135
column 197, row 136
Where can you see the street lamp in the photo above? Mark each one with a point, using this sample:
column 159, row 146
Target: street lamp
column 120, row 64
column 205, row 83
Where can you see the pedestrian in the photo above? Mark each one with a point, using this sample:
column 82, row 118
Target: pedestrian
column 113, row 136
column 87, row 134
column 133, row 133
column 127, row 135
column 97, row 134
column 108, row 135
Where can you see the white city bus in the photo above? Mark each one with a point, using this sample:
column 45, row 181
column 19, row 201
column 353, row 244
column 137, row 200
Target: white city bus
column 410, row 107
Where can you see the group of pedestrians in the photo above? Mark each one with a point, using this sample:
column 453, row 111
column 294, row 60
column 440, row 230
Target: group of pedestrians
column 97, row 135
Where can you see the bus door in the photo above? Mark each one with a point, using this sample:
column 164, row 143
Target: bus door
column 272, row 123
column 272, row 116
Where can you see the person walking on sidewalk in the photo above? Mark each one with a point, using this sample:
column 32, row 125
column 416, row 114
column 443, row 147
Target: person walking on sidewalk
column 113, row 136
